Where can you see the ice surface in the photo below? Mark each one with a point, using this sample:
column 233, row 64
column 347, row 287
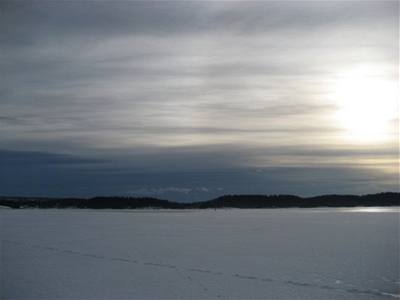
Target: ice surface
column 208, row 254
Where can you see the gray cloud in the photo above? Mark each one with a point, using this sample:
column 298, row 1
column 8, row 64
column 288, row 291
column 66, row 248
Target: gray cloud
column 171, row 17
column 11, row 159
column 55, row 179
column 189, row 86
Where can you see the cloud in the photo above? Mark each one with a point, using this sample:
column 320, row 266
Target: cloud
column 71, row 177
column 168, row 190
column 14, row 159
column 188, row 86
column 176, row 17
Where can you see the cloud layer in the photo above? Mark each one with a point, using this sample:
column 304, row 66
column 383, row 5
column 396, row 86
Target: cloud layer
column 200, row 87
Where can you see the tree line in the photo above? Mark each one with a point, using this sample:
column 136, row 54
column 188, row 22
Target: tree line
column 227, row 201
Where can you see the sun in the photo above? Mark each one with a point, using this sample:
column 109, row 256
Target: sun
column 367, row 105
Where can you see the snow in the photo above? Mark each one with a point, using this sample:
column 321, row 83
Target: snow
column 208, row 254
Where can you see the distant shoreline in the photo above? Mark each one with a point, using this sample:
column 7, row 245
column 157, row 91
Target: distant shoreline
column 228, row 201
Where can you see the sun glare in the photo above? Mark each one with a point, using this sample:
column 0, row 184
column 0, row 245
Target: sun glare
column 366, row 105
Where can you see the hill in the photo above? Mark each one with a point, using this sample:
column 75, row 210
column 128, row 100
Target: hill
column 233, row 201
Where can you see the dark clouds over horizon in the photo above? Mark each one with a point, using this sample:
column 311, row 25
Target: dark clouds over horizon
column 190, row 100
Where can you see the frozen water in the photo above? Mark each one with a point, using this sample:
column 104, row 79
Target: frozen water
column 228, row 253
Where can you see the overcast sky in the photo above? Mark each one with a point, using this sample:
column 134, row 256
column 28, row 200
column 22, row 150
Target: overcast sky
column 190, row 100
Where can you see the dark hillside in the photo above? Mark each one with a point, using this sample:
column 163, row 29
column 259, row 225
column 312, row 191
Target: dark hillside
column 236, row 201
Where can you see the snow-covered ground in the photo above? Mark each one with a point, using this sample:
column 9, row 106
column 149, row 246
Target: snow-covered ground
column 228, row 253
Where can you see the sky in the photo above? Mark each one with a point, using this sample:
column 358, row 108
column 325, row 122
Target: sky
column 191, row 100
